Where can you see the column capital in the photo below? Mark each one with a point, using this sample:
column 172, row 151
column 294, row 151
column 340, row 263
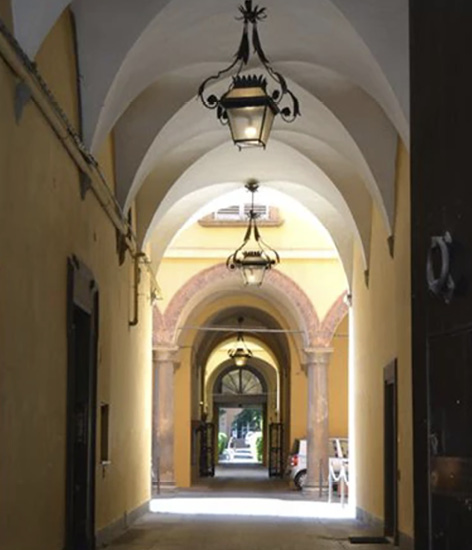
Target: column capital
column 317, row 356
column 166, row 354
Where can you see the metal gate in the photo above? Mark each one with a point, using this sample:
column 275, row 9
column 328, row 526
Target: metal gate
column 276, row 466
column 207, row 449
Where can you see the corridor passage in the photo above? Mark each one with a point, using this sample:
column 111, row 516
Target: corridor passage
column 241, row 508
column 242, row 478
column 183, row 532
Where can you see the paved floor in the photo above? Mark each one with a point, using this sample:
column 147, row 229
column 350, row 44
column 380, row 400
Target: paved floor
column 241, row 478
column 248, row 484
column 177, row 532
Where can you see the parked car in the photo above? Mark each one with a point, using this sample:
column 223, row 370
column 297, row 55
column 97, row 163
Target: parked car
column 296, row 467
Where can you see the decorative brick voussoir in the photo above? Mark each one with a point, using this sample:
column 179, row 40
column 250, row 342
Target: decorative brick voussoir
column 330, row 323
column 165, row 326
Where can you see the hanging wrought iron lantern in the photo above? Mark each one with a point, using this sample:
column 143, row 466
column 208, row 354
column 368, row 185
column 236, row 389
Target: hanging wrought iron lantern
column 254, row 257
column 241, row 353
column 249, row 106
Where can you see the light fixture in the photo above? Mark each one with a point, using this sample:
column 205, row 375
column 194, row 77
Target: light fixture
column 248, row 106
column 241, row 353
column 254, row 257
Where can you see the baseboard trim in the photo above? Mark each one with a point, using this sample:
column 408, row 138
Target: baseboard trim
column 405, row 541
column 118, row 527
column 370, row 520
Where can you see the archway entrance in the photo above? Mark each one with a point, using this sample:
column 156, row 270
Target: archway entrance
column 240, row 402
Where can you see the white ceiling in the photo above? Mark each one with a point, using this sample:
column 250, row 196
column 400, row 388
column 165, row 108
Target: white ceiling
column 141, row 63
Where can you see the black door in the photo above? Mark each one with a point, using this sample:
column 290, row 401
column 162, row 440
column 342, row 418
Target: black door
column 390, row 452
column 207, row 449
column 441, row 121
column 81, row 408
column 276, row 443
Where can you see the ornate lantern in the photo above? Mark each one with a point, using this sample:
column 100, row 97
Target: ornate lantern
column 254, row 257
column 248, row 106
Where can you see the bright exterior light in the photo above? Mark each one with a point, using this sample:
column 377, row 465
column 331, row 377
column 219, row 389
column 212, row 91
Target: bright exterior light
column 248, row 107
column 240, row 358
column 254, row 257
column 241, row 353
column 250, row 132
column 253, row 506
column 250, row 111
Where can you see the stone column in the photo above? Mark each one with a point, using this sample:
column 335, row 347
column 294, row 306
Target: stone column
column 318, row 417
column 164, row 362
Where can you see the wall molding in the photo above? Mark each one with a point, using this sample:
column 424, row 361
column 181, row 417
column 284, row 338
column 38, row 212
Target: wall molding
column 112, row 531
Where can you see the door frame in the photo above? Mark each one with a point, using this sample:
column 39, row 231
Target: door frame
column 82, row 293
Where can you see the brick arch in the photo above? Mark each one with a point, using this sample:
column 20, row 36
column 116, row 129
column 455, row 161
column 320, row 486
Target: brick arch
column 165, row 326
column 331, row 321
column 157, row 327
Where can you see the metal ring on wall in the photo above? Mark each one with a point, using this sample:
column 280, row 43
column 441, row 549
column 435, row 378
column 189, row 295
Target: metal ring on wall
column 442, row 285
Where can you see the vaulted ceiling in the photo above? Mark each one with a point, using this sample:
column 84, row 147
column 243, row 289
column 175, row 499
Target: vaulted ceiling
column 140, row 66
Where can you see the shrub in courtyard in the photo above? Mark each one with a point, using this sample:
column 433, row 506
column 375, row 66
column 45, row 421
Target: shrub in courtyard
column 259, row 448
column 222, row 442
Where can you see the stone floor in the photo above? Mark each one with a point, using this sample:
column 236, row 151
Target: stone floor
column 247, row 484
column 178, row 532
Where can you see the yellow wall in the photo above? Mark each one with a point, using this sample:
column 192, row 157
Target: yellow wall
column 298, row 401
column 56, row 63
column 43, row 221
column 297, row 231
column 382, row 332
column 105, row 159
column 182, row 420
column 338, row 382
column 208, row 246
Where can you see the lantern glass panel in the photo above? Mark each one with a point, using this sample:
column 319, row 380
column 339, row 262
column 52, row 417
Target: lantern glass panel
column 240, row 361
column 246, row 125
column 253, row 275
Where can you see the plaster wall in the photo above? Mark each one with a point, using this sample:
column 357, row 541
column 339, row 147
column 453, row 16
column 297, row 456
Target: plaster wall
column 106, row 160
column 338, row 382
column 382, row 332
column 42, row 222
column 296, row 231
column 298, row 240
column 182, row 420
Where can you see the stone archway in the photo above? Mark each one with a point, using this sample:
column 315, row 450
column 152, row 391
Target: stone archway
column 166, row 324
column 317, row 334
column 301, row 313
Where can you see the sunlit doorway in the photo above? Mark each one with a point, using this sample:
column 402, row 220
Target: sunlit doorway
column 240, row 407
column 241, row 434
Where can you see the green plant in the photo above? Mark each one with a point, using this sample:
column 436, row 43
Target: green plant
column 259, row 448
column 222, row 442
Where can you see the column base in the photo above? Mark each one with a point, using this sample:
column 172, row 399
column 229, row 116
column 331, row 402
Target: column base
column 313, row 491
column 165, row 487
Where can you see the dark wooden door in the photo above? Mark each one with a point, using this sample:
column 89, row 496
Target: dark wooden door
column 441, row 192
column 81, row 408
column 390, row 452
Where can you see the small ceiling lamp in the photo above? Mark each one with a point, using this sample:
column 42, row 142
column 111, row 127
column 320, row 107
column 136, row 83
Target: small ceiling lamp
column 248, row 106
column 241, row 353
column 254, row 257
